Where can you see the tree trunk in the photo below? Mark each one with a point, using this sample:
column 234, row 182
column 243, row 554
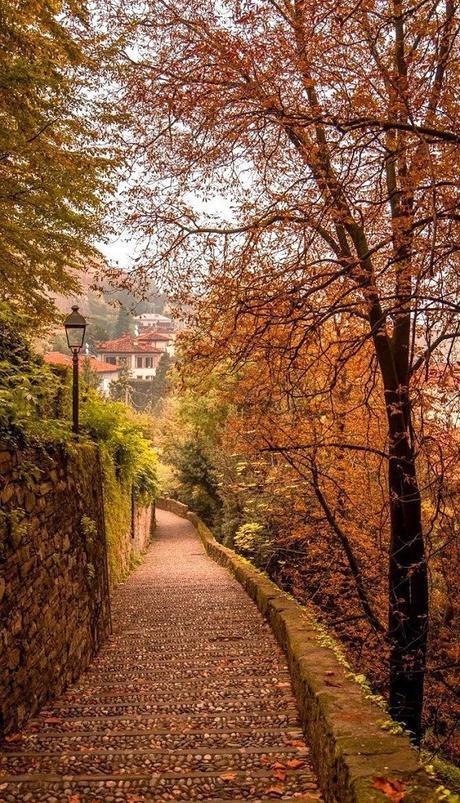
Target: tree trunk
column 408, row 582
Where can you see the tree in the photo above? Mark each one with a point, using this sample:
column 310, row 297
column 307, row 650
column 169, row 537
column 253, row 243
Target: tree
column 121, row 389
column 124, row 323
column 332, row 131
column 31, row 393
column 148, row 393
column 55, row 169
column 302, row 472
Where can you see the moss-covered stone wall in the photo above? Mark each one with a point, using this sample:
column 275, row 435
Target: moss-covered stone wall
column 69, row 531
column 54, row 601
column 128, row 527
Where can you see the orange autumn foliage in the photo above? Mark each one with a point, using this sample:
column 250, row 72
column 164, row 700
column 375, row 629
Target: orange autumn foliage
column 327, row 269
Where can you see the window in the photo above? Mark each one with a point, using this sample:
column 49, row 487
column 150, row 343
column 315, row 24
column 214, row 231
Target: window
column 149, row 362
column 111, row 360
column 138, row 362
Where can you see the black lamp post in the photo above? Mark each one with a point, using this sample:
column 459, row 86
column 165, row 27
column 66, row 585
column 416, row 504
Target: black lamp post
column 75, row 327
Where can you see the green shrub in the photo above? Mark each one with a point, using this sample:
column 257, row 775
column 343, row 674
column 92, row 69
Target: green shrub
column 195, row 482
column 253, row 542
column 121, row 434
column 30, row 392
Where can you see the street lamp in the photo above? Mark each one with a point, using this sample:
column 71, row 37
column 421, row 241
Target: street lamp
column 75, row 327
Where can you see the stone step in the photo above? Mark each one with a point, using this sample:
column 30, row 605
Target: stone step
column 232, row 706
column 200, row 655
column 159, row 643
column 170, row 674
column 126, row 796
column 171, row 667
column 209, row 628
column 254, row 692
column 113, row 684
column 176, row 723
column 183, row 619
column 226, row 785
column 209, row 634
column 96, row 761
column 205, row 631
column 49, row 741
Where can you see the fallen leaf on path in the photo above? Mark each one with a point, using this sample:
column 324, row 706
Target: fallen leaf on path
column 16, row 737
column 228, row 776
column 280, row 775
column 391, row 788
column 75, row 799
column 295, row 763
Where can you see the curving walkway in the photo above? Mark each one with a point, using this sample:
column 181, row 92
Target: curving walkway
column 190, row 699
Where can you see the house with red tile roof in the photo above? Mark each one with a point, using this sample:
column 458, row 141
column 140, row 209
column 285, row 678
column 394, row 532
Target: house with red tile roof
column 159, row 340
column 154, row 321
column 106, row 372
column 138, row 353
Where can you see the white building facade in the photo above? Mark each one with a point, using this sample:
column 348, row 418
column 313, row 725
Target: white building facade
column 141, row 358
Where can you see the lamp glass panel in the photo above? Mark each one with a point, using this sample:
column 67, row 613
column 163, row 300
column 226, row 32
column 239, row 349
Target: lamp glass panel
column 75, row 336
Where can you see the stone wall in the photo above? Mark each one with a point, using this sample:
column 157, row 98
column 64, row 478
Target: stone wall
column 128, row 527
column 173, row 506
column 54, row 601
column 142, row 527
column 353, row 748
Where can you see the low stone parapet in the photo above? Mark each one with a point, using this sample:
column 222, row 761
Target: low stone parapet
column 172, row 506
column 357, row 759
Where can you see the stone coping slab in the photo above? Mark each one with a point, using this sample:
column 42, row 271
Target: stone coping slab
column 352, row 752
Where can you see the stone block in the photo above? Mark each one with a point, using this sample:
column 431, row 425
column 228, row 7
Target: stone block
column 27, row 567
column 46, row 487
column 7, row 493
column 13, row 658
column 5, row 460
column 16, row 622
column 29, row 501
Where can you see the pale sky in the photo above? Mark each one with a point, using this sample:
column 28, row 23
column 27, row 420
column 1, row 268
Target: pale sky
column 121, row 250
column 118, row 251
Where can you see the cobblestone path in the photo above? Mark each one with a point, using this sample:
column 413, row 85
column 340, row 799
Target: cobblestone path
column 190, row 699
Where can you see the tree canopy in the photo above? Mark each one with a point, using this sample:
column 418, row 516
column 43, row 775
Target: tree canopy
column 54, row 164
column 327, row 133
